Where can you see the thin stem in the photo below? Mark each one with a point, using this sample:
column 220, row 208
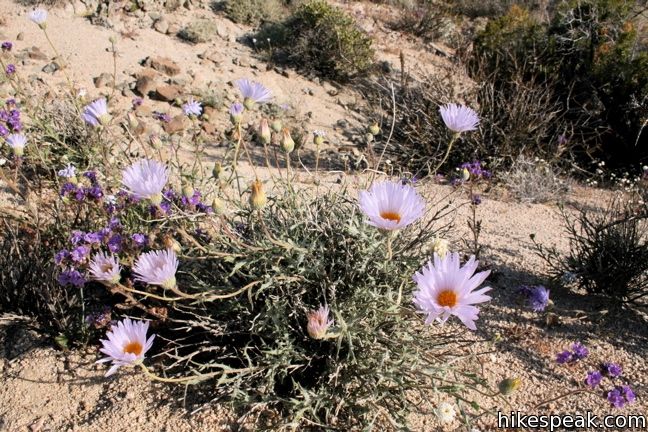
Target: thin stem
column 194, row 379
column 447, row 153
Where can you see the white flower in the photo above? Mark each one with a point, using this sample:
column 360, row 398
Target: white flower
column 126, row 344
column 157, row 268
column 68, row 172
column 145, row 179
column 459, row 118
column 38, row 16
column 391, row 206
column 105, row 268
column 445, row 412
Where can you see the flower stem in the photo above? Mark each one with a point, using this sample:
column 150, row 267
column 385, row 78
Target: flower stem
column 194, row 379
column 447, row 153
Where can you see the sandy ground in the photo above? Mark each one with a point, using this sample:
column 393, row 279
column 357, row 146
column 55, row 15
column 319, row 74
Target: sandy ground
column 47, row 390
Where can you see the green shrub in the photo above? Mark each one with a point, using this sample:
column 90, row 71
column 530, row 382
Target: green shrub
column 255, row 12
column 321, row 38
column 199, row 31
column 587, row 56
column 608, row 254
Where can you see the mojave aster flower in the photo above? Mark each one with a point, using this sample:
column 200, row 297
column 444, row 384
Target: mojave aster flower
column 17, row 142
column 391, row 206
column 253, row 92
column 319, row 323
column 96, row 113
column 126, row 344
column 445, row 288
column 445, row 412
column 459, row 118
column 145, row 179
column 192, row 108
column 157, row 268
column 105, row 268
column 38, row 16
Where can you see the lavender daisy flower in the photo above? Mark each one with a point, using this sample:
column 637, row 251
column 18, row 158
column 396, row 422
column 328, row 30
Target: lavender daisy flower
column 192, row 108
column 319, row 323
column 10, row 69
column 593, row 378
column 445, row 289
column 68, row 172
column 38, row 16
column 538, row 298
column 6, row 46
column 96, row 113
column 17, row 142
column 145, row 179
column 253, row 92
column 579, row 351
column 105, row 268
column 236, row 112
column 126, row 344
column 612, row 370
column 459, row 118
column 157, row 268
column 391, row 206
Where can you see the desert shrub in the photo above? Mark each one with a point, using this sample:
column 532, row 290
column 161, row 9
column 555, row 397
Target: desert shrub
column 608, row 253
column 587, row 56
column 321, row 38
column 255, row 12
column 534, row 181
column 199, row 31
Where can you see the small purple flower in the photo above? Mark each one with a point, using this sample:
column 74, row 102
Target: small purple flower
column 115, row 243
column 253, row 92
column 80, row 194
column 94, row 192
column 71, row 277
column 104, row 233
column 616, row 398
column 459, row 118
column 140, row 240
column 68, row 172
column 61, row 256
column 593, row 378
column 6, row 46
column 138, row 101
column 579, row 351
column 164, row 205
column 236, row 112
column 67, row 189
column 92, row 238
column 192, row 108
column 79, row 254
column 11, row 69
column 563, row 357
column 538, row 298
column 77, row 237
column 114, row 224
column 612, row 370
column 96, row 113
column 192, row 200
column 475, row 200
column 163, row 117
column 91, row 175
column 628, row 393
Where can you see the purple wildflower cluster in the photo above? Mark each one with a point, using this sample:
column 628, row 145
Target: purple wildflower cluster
column 10, row 69
column 578, row 352
column 81, row 191
column 620, row 394
column 10, row 118
column 192, row 203
column 163, row 117
column 476, row 170
column 537, row 297
column 99, row 319
column 6, row 46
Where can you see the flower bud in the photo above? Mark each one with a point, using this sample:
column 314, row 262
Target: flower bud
column 258, row 197
column 318, row 137
column 264, row 132
column 171, row 243
column 276, row 125
column 217, row 170
column 374, row 129
column 509, row 385
column 187, row 191
column 248, row 103
column 287, row 143
column 132, row 121
column 369, row 137
column 319, row 323
column 440, row 247
column 155, row 141
column 218, row 206
column 465, row 174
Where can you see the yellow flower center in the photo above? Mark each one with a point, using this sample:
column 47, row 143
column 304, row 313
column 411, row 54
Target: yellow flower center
column 392, row 216
column 447, row 298
column 133, row 348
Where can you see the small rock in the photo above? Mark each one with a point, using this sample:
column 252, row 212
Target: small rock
column 164, row 65
column 50, row 68
column 209, row 128
column 177, row 124
column 174, row 28
column 161, row 25
column 20, row 36
column 103, row 80
column 144, row 85
column 36, row 54
column 168, row 92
